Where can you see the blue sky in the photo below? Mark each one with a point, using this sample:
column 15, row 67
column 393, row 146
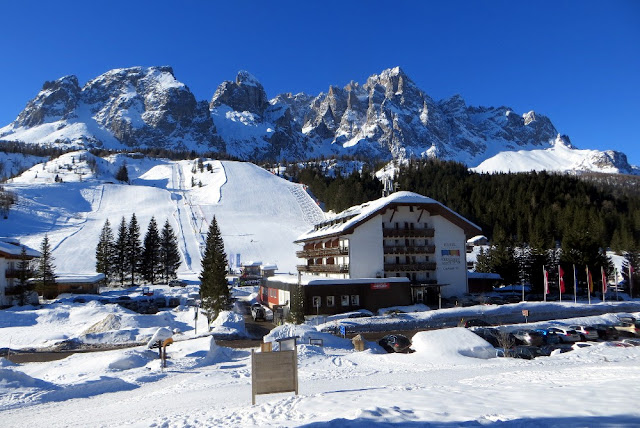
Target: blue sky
column 577, row 62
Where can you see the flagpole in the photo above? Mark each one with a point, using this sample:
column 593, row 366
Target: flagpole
column 615, row 281
column 575, row 285
column 559, row 283
column 544, row 279
column 630, row 280
column 604, row 283
column 588, row 285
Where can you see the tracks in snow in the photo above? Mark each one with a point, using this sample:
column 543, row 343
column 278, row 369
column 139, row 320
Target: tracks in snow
column 311, row 212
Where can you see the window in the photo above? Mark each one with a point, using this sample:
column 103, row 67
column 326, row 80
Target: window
column 317, row 301
column 331, row 301
column 410, row 208
column 355, row 300
column 344, row 300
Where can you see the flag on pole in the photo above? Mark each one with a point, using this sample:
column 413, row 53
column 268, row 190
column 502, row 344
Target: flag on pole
column 604, row 281
column 561, row 279
column 589, row 280
column 546, row 281
column 575, row 285
column 630, row 280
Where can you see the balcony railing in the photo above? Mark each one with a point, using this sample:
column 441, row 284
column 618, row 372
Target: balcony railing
column 15, row 273
column 324, row 268
column 321, row 252
column 411, row 233
column 409, row 249
column 409, row 267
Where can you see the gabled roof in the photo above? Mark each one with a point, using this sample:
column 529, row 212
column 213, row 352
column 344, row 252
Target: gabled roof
column 344, row 222
column 11, row 248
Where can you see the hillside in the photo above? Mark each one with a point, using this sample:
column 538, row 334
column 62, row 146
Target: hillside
column 259, row 213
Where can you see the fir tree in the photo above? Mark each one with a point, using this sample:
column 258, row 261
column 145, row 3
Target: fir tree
column 214, row 289
column 105, row 252
column 123, row 174
column 169, row 253
column 23, row 274
column 120, row 259
column 631, row 259
column 151, row 263
column 45, row 277
column 134, row 249
column 296, row 315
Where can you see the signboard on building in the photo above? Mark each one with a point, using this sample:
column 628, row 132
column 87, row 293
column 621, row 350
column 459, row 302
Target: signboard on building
column 380, row 286
column 450, row 256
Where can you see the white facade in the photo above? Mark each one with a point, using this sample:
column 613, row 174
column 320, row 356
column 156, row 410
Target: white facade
column 401, row 235
column 10, row 254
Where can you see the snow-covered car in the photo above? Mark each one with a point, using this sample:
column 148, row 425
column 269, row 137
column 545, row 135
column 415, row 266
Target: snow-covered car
column 527, row 337
column 586, row 332
column 565, row 334
column 395, row 343
column 578, row 345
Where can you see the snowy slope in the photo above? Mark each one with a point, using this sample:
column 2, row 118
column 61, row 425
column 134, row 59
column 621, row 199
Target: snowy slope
column 259, row 214
column 560, row 158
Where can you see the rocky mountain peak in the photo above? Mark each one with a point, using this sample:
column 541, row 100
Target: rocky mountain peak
column 244, row 94
column 56, row 100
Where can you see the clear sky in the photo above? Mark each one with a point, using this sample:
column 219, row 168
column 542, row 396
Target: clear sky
column 577, row 62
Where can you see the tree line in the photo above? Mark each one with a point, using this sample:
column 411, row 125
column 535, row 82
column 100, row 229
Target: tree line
column 126, row 258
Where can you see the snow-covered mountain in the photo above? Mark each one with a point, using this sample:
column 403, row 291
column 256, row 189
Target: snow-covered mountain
column 70, row 198
column 387, row 117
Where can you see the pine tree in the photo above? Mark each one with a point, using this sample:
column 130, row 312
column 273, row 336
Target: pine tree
column 123, row 174
column 105, row 252
column 23, row 273
column 169, row 253
column 120, row 260
column 296, row 314
column 631, row 258
column 134, row 249
column 214, row 289
column 45, row 277
column 151, row 263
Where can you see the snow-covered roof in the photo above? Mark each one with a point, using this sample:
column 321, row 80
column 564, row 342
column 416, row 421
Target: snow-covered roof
column 476, row 238
column 79, row 278
column 269, row 266
column 12, row 247
column 316, row 280
column 251, row 263
column 351, row 217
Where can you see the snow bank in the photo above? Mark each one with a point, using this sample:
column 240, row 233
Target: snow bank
column 451, row 343
column 229, row 323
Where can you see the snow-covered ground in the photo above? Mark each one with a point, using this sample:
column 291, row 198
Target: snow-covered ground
column 450, row 380
column 259, row 214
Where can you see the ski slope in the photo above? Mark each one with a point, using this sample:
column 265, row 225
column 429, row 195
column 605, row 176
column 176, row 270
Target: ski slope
column 259, row 214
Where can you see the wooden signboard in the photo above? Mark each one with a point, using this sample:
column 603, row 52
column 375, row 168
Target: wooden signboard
column 273, row 372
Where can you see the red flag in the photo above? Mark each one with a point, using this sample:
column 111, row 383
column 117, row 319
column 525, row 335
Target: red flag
column 546, row 281
column 561, row 275
column 604, row 281
column 589, row 280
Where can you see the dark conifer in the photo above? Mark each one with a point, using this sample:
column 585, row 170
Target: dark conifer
column 134, row 249
column 214, row 289
column 169, row 252
column 45, row 276
column 105, row 252
column 120, row 260
column 151, row 263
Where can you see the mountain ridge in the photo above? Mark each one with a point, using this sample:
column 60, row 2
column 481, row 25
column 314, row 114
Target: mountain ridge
column 387, row 118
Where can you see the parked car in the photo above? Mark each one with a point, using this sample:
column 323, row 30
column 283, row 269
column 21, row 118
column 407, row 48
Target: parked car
column 473, row 322
column 258, row 312
column 489, row 334
column 629, row 329
column 634, row 342
column 177, row 283
column 566, row 335
column 548, row 337
column 586, row 332
column 607, row 332
column 395, row 343
column 528, row 337
column 579, row 345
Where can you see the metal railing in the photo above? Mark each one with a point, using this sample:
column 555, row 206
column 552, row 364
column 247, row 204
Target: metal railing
column 409, row 267
column 409, row 249
column 412, row 233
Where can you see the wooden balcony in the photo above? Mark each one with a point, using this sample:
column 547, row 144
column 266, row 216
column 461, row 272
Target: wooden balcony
column 410, row 249
column 15, row 273
column 408, row 233
column 409, row 267
column 322, row 252
column 324, row 268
